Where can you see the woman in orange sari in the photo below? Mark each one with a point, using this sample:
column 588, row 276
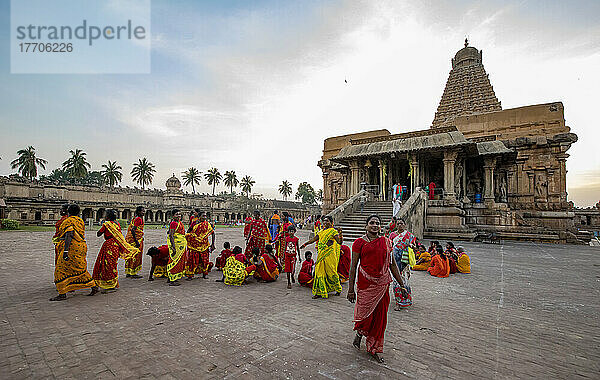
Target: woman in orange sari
column 177, row 249
column 105, row 269
column 135, row 237
column 70, row 272
column 63, row 216
column 440, row 266
column 199, row 248
column 376, row 263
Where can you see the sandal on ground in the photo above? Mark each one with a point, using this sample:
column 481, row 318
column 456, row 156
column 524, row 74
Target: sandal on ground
column 60, row 297
column 94, row 291
column 356, row 341
column 377, row 358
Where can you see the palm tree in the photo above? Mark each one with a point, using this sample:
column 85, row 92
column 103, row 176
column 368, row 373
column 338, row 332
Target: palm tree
column 112, row 173
column 76, row 166
column 192, row 177
column 231, row 180
column 213, row 177
column 285, row 189
column 27, row 163
column 319, row 195
column 246, row 184
column 143, row 172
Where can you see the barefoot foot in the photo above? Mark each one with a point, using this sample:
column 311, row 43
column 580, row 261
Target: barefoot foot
column 60, row 297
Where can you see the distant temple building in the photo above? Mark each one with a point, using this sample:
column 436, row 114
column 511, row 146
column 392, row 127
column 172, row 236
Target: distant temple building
column 39, row 203
column 494, row 171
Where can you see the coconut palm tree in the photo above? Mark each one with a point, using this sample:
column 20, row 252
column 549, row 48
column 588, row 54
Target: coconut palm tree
column 246, row 184
column 231, row 180
column 76, row 166
column 112, row 173
column 143, row 172
column 27, row 163
column 192, row 177
column 285, row 189
column 213, row 177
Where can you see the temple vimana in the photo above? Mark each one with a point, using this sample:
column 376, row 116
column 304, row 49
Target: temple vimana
column 491, row 170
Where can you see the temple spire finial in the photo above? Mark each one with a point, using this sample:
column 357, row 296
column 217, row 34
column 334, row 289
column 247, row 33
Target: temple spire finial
column 466, row 41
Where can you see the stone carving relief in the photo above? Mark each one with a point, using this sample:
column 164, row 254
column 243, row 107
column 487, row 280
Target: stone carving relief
column 501, row 188
column 541, row 186
column 458, row 179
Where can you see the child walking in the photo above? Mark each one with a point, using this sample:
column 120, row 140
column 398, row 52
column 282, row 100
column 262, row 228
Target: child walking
column 292, row 251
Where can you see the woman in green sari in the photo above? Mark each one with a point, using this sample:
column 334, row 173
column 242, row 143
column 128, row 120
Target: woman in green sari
column 326, row 278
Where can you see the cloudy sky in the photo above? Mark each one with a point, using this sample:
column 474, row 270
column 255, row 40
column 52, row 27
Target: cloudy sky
column 255, row 87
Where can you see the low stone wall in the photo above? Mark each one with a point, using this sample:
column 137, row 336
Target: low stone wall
column 413, row 213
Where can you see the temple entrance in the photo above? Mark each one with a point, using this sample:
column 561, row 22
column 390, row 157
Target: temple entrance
column 399, row 172
column 433, row 171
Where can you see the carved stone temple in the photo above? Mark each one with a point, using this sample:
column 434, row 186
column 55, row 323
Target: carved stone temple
column 495, row 170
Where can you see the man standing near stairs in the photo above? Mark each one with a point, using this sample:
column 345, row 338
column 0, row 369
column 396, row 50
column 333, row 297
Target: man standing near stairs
column 363, row 200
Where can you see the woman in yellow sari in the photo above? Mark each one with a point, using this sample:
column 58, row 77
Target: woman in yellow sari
column 105, row 269
column 70, row 272
column 326, row 279
column 177, row 249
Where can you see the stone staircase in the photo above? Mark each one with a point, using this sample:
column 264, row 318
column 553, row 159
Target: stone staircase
column 353, row 225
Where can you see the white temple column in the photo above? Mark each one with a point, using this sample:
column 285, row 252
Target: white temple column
column 449, row 162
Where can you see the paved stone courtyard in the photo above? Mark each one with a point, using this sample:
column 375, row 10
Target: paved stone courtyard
column 527, row 311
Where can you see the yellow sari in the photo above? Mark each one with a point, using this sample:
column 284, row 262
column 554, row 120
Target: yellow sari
column 326, row 278
column 72, row 274
column 176, row 265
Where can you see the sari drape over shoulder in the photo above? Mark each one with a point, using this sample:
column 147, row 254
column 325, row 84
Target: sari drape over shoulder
column 105, row 269
column 326, row 278
column 177, row 254
column 72, row 274
column 134, row 264
column 268, row 271
column 55, row 238
column 373, row 297
column 259, row 235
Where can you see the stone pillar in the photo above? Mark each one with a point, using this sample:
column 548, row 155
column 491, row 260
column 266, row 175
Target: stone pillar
column 562, row 176
column 344, row 187
column 326, row 189
column 449, row 161
column 381, row 166
column 489, row 163
column 354, row 178
column 414, row 178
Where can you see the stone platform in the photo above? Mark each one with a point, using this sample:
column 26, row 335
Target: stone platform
column 527, row 311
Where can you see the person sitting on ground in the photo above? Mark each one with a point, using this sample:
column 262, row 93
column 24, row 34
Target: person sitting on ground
column 439, row 264
column 432, row 247
column 464, row 261
column 305, row 276
column 225, row 254
column 423, row 260
column 160, row 259
column 267, row 266
column 452, row 255
column 237, row 268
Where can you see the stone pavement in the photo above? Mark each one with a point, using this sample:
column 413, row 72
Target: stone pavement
column 527, row 310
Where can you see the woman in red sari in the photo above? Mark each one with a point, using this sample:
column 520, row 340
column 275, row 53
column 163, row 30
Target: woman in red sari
column 370, row 314
column 199, row 248
column 135, row 237
column 267, row 266
column 114, row 247
column 258, row 235
column 305, row 276
column 344, row 263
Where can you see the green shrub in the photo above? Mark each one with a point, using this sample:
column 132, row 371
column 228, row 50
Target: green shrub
column 9, row 224
column 124, row 224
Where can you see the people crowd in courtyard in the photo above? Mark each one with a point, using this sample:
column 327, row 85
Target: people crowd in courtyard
column 376, row 260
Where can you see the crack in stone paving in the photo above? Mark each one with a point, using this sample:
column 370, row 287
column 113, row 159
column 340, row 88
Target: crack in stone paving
column 500, row 306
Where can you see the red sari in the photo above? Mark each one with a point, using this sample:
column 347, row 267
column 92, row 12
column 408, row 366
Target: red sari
column 439, row 267
column 258, row 236
column 198, row 249
column 247, row 223
column 105, row 269
column 281, row 243
column 268, row 271
column 134, row 265
column 344, row 263
column 178, row 253
column 222, row 259
column 373, row 296
column 305, row 277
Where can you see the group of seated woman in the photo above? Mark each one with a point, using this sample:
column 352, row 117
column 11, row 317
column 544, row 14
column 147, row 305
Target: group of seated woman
column 442, row 263
column 238, row 267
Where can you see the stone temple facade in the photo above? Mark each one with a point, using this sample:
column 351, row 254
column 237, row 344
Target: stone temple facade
column 496, row 171
column 40, row 203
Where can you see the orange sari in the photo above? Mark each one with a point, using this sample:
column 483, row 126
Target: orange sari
column 72, row 274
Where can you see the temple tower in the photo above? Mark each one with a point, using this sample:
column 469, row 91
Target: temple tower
column 468, row 89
